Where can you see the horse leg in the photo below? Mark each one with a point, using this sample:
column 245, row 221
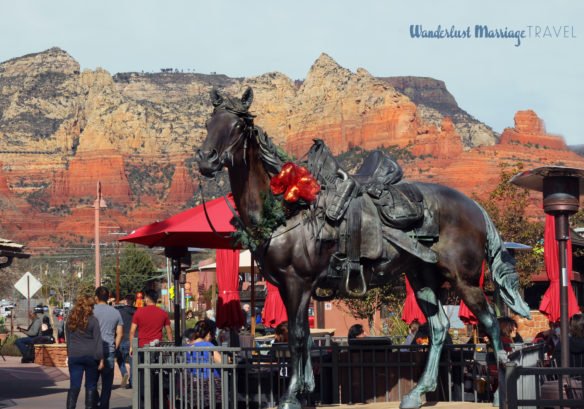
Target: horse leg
column 297, row 299
column 474, row 298
column 426, row 289
column 476, row 302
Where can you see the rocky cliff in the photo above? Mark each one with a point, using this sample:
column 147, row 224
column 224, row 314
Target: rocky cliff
column 434, row 103
column 62, row 130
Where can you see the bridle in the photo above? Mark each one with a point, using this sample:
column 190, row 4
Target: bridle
column 227, row 153
column 245, row 135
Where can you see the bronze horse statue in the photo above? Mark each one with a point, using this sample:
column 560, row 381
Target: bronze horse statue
column 298, row 255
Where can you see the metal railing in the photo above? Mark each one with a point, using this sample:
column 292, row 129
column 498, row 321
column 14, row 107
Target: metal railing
column 256, row 378
column 552, row 387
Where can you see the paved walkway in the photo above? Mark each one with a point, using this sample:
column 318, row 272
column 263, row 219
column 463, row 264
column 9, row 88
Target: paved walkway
column 38, row 387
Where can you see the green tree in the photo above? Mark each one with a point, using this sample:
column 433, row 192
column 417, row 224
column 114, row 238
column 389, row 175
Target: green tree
column 507, row 204
column 136, row 266
column 389, row 295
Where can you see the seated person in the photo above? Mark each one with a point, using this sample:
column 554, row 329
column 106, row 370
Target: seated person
column 46, row 336
column 549, row 337
column 414, row 327
column 33, row 331
column 281, row 336
column 201, row 336
column 356, row 331
column 281, row 332
column 422, row 336
column 576, row 341
column 61, row 329
column 508, row 332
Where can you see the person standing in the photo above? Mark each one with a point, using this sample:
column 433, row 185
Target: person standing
column 247, row 315
column 33, row 330
column 84, row 352
column 127, row 311
column 149, row 321
column 112, row 327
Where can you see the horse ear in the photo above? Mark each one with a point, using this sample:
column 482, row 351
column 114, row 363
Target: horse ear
column 247, row 98
column 216, row 98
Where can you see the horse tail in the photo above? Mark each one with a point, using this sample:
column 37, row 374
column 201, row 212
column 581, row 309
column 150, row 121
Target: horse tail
column 502, row 266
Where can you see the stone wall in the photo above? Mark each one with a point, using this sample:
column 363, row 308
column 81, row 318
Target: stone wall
column 50, row 354
column 529, row 328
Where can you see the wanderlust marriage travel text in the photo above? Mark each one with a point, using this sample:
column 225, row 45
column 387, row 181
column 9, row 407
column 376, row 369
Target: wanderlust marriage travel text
column 484, row 31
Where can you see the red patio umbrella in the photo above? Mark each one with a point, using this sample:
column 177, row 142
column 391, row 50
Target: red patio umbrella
column 550, row 303
column 274, row 309
column 229, row 313
column 465, row 315
column 411, row 311
column 190, row 228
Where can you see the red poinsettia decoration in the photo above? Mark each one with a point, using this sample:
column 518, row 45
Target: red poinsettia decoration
column 296, row 181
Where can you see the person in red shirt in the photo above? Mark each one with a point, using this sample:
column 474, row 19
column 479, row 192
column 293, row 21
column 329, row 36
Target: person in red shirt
column 149, row 322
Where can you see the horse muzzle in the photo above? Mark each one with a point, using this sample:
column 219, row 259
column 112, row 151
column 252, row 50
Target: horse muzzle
column 209, row 162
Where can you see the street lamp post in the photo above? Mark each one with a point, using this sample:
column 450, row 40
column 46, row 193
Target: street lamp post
column 98, row 205
column 561, row 187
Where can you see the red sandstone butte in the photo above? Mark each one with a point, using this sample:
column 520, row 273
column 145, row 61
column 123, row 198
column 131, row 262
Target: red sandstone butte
column 182, row 187
column 530, row 129
column 443, row 143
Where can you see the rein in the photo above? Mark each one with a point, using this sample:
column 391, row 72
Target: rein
column 235, row 215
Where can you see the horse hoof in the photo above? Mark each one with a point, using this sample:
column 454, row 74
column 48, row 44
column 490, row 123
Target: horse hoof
column 290, row 403
column 411, row 401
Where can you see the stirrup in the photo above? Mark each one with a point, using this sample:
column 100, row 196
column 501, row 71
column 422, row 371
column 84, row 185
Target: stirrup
column 362, row 288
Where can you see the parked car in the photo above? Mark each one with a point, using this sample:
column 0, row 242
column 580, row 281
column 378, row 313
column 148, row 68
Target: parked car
column 5, row 310
column 41, row 308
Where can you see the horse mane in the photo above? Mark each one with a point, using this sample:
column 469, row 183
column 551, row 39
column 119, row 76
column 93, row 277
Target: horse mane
column 271, row 156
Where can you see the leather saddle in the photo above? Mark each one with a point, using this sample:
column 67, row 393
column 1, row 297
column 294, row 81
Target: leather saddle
column 368, row 207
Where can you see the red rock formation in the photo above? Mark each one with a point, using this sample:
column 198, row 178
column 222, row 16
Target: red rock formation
column 348, row 109
column 444, row 143
column 530, row 129
column 85, row 170
column 4, row 188
column 182, row 187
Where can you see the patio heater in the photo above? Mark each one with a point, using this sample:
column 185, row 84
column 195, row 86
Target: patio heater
column 561, row 187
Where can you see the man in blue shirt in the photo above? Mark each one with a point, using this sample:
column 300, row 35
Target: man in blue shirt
column 111, row 327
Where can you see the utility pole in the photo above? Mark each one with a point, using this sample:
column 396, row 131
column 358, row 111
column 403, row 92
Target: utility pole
column 98, row 205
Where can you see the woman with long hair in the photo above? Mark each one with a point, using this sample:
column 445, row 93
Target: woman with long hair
column 508, row 328
column 202, row 336
column 84, row 351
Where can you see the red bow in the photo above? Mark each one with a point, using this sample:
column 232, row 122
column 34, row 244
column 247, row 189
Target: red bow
column 296, row 181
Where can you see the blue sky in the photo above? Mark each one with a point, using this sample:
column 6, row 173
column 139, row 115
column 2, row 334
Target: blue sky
column 490, row 78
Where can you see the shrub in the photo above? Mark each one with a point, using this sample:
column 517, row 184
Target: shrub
column 9, row 349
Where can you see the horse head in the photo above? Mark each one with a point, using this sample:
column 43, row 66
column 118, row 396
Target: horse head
column 228, row 132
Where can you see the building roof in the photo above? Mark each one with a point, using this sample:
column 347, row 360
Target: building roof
column 577, row 238
column 11, row 250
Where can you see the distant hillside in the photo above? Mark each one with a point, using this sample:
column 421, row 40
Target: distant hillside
column 579, row 149
column 435, row 102
column 63, row 130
